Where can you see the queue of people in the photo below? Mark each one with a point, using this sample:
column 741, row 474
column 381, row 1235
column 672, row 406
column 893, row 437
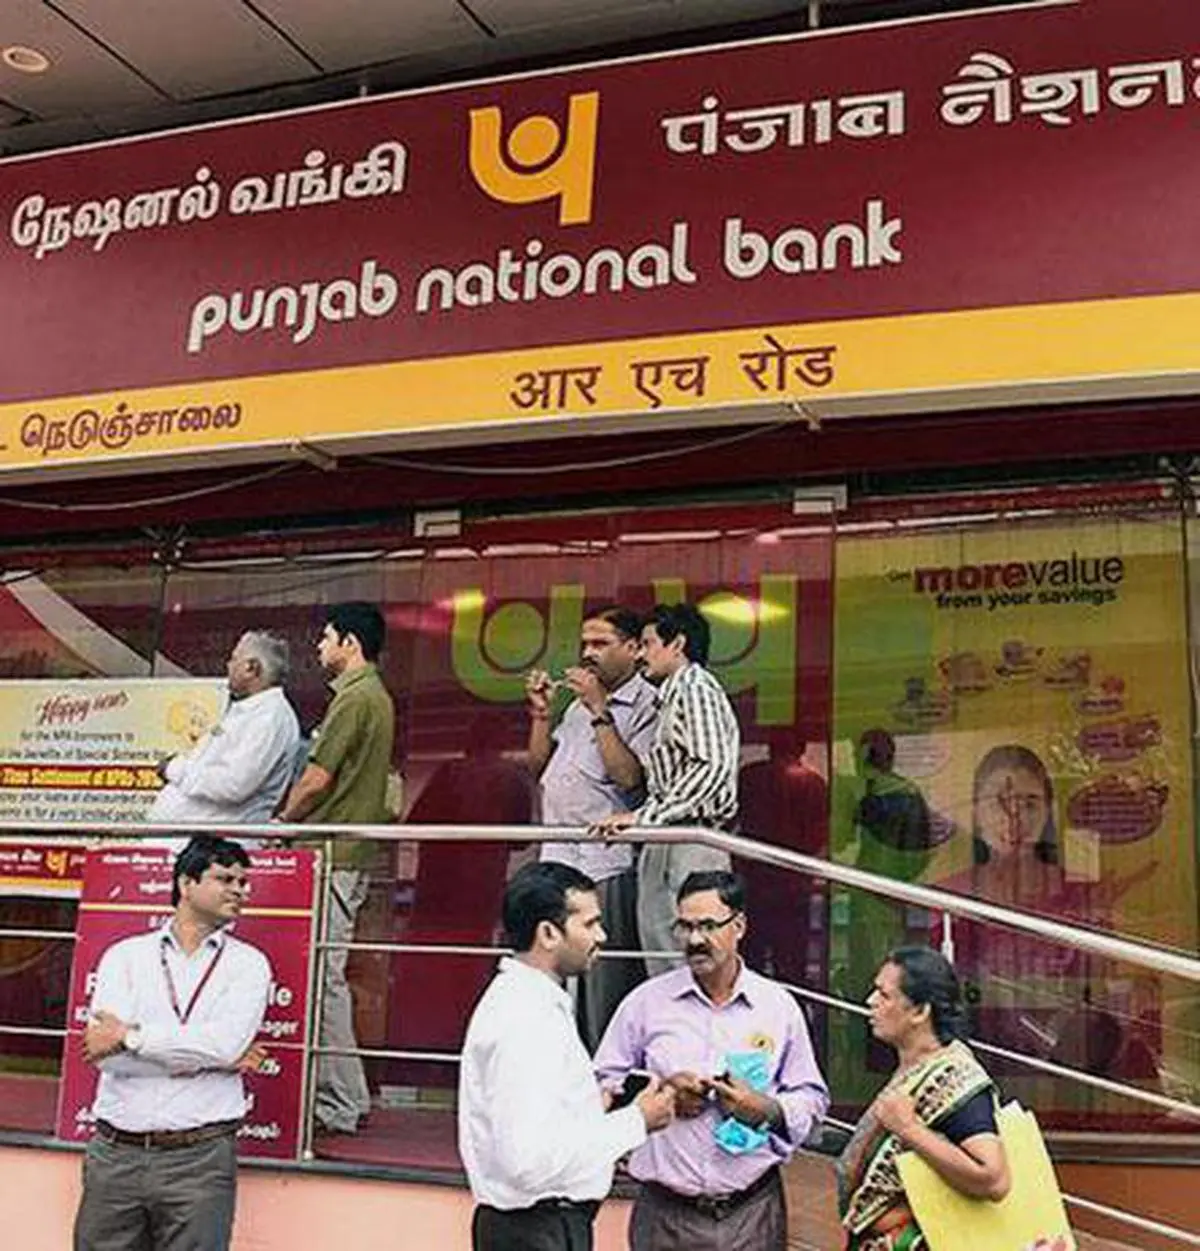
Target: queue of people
column 648, row 738
column 697, row 1070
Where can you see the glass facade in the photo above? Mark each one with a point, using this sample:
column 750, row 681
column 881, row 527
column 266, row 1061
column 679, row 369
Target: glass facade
column 992, row 696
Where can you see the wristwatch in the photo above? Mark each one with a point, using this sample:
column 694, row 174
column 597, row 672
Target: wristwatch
column 603, row 718
column 133, row 1040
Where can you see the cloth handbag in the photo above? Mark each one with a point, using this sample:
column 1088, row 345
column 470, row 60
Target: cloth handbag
column 1031, row 1217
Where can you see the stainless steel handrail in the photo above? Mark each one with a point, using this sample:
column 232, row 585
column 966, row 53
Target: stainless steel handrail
column 49, row 935
column 1049, row 1067
column 1133, row 1220
column 1044, row 1066
column 1146, row 955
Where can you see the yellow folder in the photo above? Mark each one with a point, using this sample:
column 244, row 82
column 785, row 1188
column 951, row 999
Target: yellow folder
column 1031, row 1217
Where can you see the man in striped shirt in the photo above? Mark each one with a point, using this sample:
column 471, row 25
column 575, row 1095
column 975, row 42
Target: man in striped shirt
column 691, row 772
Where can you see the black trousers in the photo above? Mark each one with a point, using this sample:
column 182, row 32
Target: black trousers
column 552, row 1225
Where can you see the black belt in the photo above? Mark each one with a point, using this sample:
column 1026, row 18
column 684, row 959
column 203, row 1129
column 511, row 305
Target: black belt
column 717, row 1206
column 588, row 1206
column 166, row 1139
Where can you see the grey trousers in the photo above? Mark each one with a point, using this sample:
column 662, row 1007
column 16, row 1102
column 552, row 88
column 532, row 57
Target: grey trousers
column 662, row 868
column 152, row 1200
column 662, row 1223
column 600, row 990
column 342, row 1097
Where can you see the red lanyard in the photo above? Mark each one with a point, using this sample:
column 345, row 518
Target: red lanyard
column 184, row 1016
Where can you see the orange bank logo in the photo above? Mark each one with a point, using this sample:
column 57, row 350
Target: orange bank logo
column 540, row 159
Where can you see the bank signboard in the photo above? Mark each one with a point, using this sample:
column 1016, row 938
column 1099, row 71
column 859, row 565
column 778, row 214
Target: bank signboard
column 994, row 206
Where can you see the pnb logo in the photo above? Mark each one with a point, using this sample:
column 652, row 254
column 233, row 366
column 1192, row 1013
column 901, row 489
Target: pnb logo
column 538, row 161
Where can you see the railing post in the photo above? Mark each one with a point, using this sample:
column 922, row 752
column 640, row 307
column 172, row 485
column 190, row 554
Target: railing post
column 316, row 999
column 948, row 936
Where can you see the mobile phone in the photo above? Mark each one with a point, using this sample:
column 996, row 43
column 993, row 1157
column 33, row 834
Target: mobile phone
column 635, row 1082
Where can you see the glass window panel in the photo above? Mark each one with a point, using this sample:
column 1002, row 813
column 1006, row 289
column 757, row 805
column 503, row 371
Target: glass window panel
column 79, row 622
column 56, row 623
column 1013, row 721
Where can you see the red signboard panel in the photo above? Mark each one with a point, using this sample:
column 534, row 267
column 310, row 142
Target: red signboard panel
column 41, row 869
column 997, row 160
column 126, row 891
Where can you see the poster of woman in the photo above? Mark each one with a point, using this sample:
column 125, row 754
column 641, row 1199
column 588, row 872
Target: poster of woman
column 1030, row 687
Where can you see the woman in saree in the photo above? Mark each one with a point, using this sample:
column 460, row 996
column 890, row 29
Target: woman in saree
column 940, row 1103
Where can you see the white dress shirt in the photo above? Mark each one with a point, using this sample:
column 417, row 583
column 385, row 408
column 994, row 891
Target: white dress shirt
column 240, row 771
column 531, row 1119
column 182, row 1075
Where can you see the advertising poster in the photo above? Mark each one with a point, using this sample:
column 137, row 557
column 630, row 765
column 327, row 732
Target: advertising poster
column 73, row 751
column 1012, row 722
column 126, row 891
column 87, row 749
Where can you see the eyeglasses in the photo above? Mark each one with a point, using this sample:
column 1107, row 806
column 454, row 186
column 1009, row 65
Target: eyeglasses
column 230, row 881
column 707, row 926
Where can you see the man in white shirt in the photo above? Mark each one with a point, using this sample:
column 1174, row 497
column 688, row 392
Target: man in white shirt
column 534, row 1132
column 239, row 772
column 173, row 1021
column 588, row 767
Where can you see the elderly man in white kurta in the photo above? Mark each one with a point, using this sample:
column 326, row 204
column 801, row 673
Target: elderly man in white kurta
column 239, row 773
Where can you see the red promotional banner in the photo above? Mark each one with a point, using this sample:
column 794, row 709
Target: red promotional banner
column 126, row 891
column 901, row 208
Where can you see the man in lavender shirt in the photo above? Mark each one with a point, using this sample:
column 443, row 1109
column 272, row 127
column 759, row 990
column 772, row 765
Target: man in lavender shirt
column 588, row 767
column 711, row 1180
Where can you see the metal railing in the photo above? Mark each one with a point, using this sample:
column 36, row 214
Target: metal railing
column 1155, row 958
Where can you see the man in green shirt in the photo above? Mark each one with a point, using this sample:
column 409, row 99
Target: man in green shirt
column 345, row 782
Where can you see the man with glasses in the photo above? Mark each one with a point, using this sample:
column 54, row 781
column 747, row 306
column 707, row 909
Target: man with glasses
column 173, row 1020
column 735, row 1048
